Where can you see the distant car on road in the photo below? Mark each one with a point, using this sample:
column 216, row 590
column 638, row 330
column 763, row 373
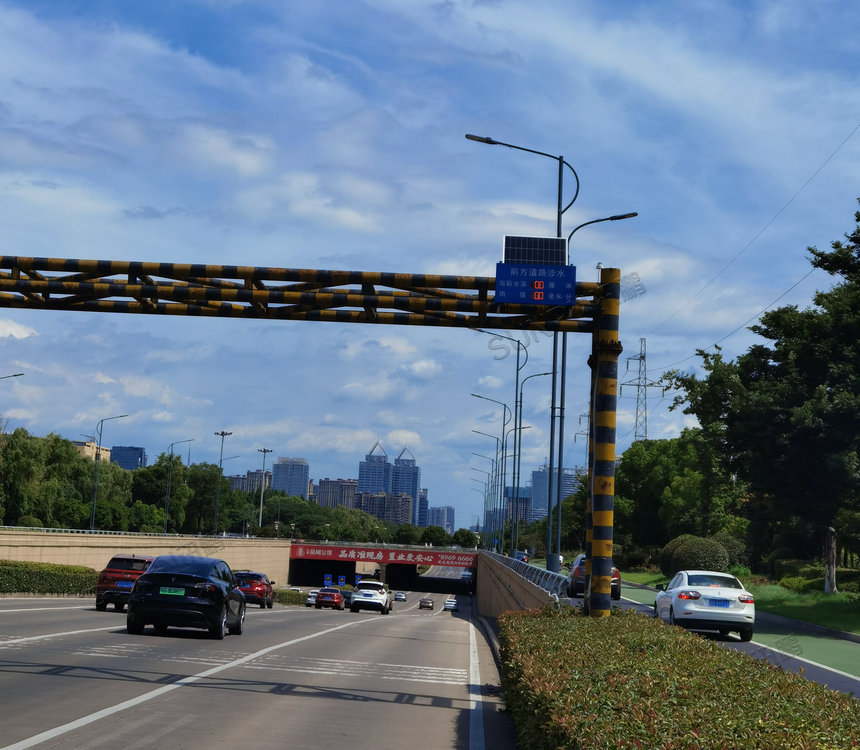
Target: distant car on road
column 116, row 581
column 312, row 597
column 450, row 605
column 187, row 592
column 329, row 597
column 371, row 594
column 400, row 596
column 576, row 584
column 426, row 603
column 256, row 587
column 707, row 600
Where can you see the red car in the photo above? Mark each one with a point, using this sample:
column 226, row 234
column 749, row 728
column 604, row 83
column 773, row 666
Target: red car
column 116, row 581
column 256, row 587
column 329, row 597
column 576, row 584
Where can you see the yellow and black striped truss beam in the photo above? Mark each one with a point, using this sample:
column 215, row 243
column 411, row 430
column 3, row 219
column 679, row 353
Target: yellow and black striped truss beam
column 278, row 294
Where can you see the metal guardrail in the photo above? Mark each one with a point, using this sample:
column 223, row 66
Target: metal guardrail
column 553, row 583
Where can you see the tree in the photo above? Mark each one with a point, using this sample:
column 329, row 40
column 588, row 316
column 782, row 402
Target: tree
column 465, row 538
column 435, row 536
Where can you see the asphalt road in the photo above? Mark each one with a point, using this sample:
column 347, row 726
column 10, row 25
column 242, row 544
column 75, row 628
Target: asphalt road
column 72, row 677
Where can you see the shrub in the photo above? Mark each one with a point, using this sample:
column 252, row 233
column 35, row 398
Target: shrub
column 572, row 681
column 781, row 562
column 669, row 550
column 740, row 571
column 46, row 578
column 794, row 583
column 700, row 554
column 734, row 547
column 31, row 522
column 285, row 596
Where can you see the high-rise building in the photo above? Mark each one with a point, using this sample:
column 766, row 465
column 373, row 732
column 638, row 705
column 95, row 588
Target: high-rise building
column 406, row 479
column 129, row 457
column 442, row 516
column 332, row 493
column 253, row 479
column 422, row 508
column 386, row 506
column 291, row 475
column 522, row 501
column 540, row 489
column 375, row 473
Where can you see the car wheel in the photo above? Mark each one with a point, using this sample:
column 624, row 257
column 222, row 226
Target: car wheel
column 270, row 603
column 746, row 635
column 723, row 632
column 353, row 609
column 671, row 616
column 239, row 627
column 616, row 594
column 160, row 629
column 118, row 606
column 318, row 606
column 219, row 629
column 133, row 625
column 101, row 606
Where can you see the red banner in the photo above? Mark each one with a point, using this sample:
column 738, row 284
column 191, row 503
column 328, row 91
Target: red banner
column 383, row 555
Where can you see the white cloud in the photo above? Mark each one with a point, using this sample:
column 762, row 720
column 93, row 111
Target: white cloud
column 11, row 329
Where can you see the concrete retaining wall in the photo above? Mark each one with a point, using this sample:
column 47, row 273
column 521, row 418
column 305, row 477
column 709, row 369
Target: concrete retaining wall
column 499, row 589
column 269, row 556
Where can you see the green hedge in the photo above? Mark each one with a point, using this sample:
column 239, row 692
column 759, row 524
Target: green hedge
column 285, row 596
column 46, row 578
column 629, row 681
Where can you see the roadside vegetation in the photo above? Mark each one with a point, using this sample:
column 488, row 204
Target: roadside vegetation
column 629, row 681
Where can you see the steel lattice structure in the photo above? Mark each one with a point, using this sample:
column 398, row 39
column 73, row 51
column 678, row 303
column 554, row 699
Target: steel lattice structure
column 278, row 294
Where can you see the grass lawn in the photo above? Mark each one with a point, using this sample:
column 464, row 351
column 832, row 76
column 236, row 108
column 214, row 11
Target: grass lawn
column 839, row 611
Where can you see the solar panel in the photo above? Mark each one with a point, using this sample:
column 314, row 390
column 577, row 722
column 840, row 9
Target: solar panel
column 541, row 251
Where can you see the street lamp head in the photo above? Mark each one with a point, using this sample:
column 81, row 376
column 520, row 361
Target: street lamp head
column 618, row 217
column 482, row 139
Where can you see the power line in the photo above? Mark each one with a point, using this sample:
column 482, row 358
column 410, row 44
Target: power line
column 761, row 231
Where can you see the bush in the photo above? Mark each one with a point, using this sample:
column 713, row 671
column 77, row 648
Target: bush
column 669, row 550
column 700, row 554
column 734, row 547
column 46, row 578
column 781, row 562
column 740, row 571
column 285, row 596
column 30, row 522
column 630, row 681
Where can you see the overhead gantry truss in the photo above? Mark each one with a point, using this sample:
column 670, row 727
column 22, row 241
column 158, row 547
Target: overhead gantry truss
column 279, row 294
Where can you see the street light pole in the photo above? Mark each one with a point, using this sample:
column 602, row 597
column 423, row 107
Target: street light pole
column 264, row 451
column 223, row 434
column 552, row 562
column 96, row 470
column 503, row 472
column 519, row 456
column 491, row 517
column 16, row 375
column 169, row 472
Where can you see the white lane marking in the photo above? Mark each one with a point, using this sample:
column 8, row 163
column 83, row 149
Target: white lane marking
column 43, row 609
column 125, row 705
column 55, row 635
column 476, row 709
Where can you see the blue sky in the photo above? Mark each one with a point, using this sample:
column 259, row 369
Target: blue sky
column 331, row 136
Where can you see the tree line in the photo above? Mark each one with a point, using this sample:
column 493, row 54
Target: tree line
column 46, row 483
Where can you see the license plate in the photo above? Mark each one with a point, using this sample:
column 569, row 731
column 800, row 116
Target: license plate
column 124, row 584
column 367, row 595
column 171, row 591
column 719, row 602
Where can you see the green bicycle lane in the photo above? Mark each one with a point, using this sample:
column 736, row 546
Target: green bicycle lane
column 788, row 637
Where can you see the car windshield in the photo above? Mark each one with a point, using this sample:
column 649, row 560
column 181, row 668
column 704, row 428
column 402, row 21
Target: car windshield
column 198, row 566
column 708, row 579
column 329, row 591
column 249, row 577
column 125, row 563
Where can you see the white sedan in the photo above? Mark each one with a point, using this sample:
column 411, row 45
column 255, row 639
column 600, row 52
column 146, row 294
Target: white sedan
column 707, row 600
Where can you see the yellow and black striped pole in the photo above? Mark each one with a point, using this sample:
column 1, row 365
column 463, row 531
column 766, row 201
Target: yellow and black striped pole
column 607, row 349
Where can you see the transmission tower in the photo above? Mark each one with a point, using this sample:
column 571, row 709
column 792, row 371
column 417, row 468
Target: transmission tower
column 642, row 385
